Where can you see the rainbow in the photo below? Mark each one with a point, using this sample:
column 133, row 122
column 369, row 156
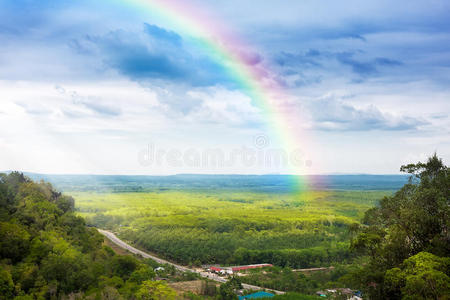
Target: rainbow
column 255, row 79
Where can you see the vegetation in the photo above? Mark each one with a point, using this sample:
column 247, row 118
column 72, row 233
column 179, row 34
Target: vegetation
column 47, row 252
column 309, row 229
column 227, row 290
column 394, row 248
column 286, row 279
column 295, row 296
column 407, row 238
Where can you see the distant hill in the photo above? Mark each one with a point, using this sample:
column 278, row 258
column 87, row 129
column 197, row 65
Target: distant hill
column 266, row 183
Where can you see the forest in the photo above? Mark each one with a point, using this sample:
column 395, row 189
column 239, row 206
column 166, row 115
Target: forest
column 194, row 227
column 48, row 252
column 388, row 245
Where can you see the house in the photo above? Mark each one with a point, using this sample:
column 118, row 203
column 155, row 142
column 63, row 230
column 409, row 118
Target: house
column 226, row 271
column 215, row 269
column 257, row 295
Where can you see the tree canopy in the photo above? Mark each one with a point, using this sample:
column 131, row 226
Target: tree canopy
column 407, row 237
column 47, row 252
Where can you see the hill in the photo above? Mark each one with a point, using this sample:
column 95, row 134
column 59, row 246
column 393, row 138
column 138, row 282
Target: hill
column 47, row 252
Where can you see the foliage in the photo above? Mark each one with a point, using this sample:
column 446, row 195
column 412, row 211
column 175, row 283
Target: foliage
column 308, row 229
column 227, row 290
column 295, row 296
column 155, row 290
column 47, row 252
column 407, row 237
column 422, row 276
column 6, row 284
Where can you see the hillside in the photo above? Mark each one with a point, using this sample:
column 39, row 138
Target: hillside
column 47, row 252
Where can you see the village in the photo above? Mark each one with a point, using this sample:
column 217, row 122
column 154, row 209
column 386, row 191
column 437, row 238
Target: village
column 239, row 271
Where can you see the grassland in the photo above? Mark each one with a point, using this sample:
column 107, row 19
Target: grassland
column 233, row 226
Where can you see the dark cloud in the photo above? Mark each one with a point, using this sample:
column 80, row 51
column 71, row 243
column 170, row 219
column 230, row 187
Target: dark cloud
column 158, row 54
column 359, row 67
column 365, row 67
column 332, row 114
column 313, row 59
column 350, row 32
column 306, row 59
column 383, row 61
column 162, row 34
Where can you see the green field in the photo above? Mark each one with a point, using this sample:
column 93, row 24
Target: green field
column 233, row 226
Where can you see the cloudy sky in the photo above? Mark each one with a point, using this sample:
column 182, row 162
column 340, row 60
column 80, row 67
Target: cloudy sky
column 116, row 87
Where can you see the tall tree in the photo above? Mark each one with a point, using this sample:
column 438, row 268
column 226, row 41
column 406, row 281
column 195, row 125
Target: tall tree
column 415, row 220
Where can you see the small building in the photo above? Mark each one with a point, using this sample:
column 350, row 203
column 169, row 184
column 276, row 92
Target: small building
column 226, row 271
column 257, row 295
column 215, row 269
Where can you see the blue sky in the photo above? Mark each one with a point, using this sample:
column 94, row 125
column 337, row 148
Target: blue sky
column 91, row 87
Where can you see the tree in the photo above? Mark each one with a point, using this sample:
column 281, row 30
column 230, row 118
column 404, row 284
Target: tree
column 47, row 252
column 227, row 292
column 228, row 289
column 14, row 241
column 144, row 273
column 422, row 276
column 155, row 290
column 6, row 283
column 110, row 293
column 124, row 265
column 415, row 220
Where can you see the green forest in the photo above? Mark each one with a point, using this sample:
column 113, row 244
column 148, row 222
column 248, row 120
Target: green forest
column 48, row 252
column 302, row 230
column 388, row 245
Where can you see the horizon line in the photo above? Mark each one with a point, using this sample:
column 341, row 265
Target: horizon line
column 207, row 174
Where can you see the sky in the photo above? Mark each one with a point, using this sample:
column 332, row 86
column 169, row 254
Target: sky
column 136, row 87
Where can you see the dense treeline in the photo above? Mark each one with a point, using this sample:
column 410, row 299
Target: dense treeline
column 203, row 247
column 295, row 258
column 309, row 229
column 407, row 237
column 47, row 252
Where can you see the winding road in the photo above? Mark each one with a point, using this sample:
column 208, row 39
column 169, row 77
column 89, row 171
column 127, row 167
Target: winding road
column 113, row 238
